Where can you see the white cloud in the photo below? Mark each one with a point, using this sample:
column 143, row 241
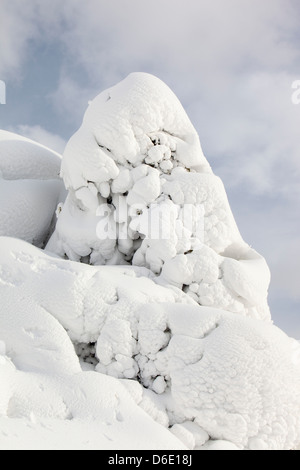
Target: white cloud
column 70, row 99
column 198, row 35
column 15, row 31
column 254, row 135
column 23, row 23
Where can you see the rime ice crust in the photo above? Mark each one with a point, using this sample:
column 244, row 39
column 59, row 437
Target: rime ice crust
column 120, row 129
column 137, row 154
column 46, row 400
column 207, row 373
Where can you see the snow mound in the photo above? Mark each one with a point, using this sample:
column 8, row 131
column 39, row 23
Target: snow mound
column 44, row 394
column 29, row 188
column 141, row 192
column 236, row 377
column 22, row 158
column 208, row 373
column 81, row 297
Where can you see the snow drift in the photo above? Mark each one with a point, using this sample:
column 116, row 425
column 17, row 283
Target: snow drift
column 234, row 377
column 29, row 188
column 145, row 322
column 44, row 395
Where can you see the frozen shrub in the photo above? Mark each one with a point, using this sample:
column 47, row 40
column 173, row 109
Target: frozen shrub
column 141, row 192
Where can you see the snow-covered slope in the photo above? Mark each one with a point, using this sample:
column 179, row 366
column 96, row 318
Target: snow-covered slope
column 144, row 323
column 233, row 377
column 46, row 401
column 29, row 188
column 23, row 159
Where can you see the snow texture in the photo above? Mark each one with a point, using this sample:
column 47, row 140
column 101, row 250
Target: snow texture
column 142, row 192
column 29, row 188
column 44, row 394
column 209, row 374
column 144, row 324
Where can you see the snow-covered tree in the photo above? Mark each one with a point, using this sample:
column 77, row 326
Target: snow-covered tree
column 147, row 299
column 142, row 192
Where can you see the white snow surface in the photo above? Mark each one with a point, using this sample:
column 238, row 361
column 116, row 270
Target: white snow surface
column 209, row 374
column 29, row 188
column 46, row 400
column 144, row 324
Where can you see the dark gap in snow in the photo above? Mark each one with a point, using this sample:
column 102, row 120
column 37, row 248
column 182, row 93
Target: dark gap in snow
column 208, row 332
column 87, row 353
column 86, row 259
column 104, row 148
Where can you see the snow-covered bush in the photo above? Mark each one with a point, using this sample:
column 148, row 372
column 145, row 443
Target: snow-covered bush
column 164, row 325
column 142, row 192
column 29, row 188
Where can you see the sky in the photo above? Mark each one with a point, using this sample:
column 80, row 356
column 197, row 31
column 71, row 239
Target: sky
column 232, row 64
